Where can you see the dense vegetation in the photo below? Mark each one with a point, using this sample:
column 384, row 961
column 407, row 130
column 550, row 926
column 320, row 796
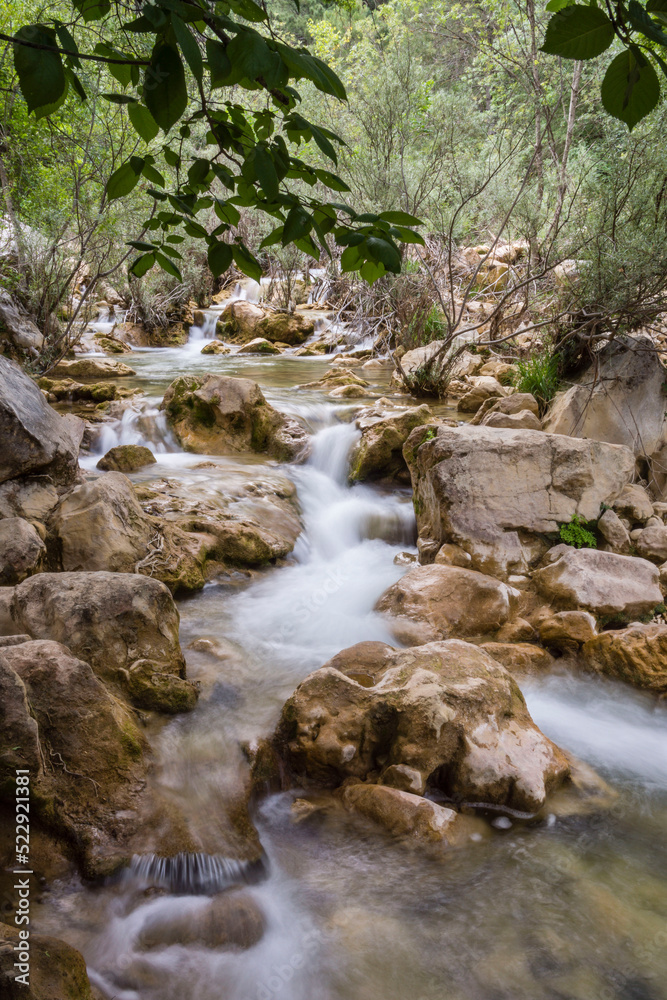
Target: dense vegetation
column 454, row 116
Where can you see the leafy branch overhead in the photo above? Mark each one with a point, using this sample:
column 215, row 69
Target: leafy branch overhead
column 184, row 62
column 631, row 86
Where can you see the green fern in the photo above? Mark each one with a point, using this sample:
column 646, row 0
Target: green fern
column 577, row 533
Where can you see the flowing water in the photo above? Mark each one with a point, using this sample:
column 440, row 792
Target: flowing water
column 571, row 908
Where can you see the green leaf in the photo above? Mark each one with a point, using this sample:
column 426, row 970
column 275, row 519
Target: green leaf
column 76, row 83
column 153, row 175
column 407, row 235
column 297, row 224
column 218, row 62
column 122, row 181
column 641, row 21
column 370, row 271
column 142, row 264
column 578, row 32
column 119, row 98
column 93, row 10
column 386, row 252
column 41, row 74
column 350, row 259
column 331, row 181
column 266, row 172
column 67, row 42
column 273, row 238
column 629, row 90
column 219, row 258
column 401, row 218
column 555, row 5
column 143, row 122
column 227, row 213
column 249, row 10
column 199, row 171
column 245, row 262
column 189, row 47
column 168, row 266
column 165, row 92
column 139, row 245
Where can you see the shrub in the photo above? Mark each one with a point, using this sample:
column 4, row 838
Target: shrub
column 539, row 376
column 576, row 532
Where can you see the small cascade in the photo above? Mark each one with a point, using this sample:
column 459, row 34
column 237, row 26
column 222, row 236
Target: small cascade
column 192, row 874
column 139, row 422
column 331, row 451
column 199, row 334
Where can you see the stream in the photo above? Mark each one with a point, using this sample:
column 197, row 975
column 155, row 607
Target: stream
column 572, row 908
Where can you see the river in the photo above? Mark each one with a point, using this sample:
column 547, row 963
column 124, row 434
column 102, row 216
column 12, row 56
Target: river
column 569, row 908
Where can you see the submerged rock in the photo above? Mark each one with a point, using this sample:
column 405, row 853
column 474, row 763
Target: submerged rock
column 636, row 655
column 445, row 710
column 443, row 601
column 402, row 813
column 35, row 439
column 113, row 621
column 495, row 491
column 218, row 415
column 602, row 582
column 228, row 920
column 126, row 458
column 57, row 971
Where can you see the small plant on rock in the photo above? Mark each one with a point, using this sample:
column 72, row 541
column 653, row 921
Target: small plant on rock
column 539, row 376
column 576, row 532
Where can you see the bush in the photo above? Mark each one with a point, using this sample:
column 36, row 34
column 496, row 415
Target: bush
column 576, row 532
column 539, row 376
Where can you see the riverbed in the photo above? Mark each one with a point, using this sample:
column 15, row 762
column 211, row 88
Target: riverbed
column 568, row 908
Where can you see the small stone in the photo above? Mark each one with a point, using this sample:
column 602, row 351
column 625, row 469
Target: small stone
column 126, row 458
column 634, row 503
column 259, row 346
column 405, row 559
column 215, row 347
column 567, row 630
column 453, row 555
column 614, row 532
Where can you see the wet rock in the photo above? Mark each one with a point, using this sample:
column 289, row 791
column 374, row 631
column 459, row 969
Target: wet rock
column 217, row 415
column 149, row 687
column 402, row 813
column 453, row 555
column 68, row 389
column 636, row 655
column 215, row 347
column 446, row 710
column 633, row 503
column 602, row 582
column 518, row 630
column 92, row 368
column 567, row 630
column 379, row 453
column 614, row 532
column 57, row 971
column 239, row 321
column 228, row 920
column 495, row 492
column 652, row 543
column 622, row 402
column 35, row 439
column 100, row 526
column 258, row 345
column 439, row 601
column 520, row 657
column 110, row 620
column 22, row 551
column 292, row 329
column 126, row 458
column 89, row 750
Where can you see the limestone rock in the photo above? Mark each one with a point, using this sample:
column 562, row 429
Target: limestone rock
column 446, row 710
column 29, row 497
column 524, row 420
column 520, row 657
column 17, row 328
column 258, row 345
column 567, row 630
column 228, row 920
column 57, row 971
column 636, row 655
column 126, row 458
column 495, row 491
column 634, row 504
column 21, row 550
column 110, row 620
column 282, row 328
column 624, row 406
column 379, row 452
column 439, row 601
column 602, row 582
column 239, row 321
column 35, row 439
column 452, row 555
column 348, row 392
column 486, row 388
column 218, row 415
column 92, row 368
column 404, row 814
column 652, row 543
column 215, row 347
column 614, row 532
column 518, row 402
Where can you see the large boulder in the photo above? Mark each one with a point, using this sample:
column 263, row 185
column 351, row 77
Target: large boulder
column 56, row 971
column 281, row 328
column 21, row 550
column 124, row 625
column 29, row 497
column 602, row 582
column 636, row 655
column 100, row 526
column 81, row 745
column 622, row 402
column 495, row 491
column 219, row 415
column 445, row 711
column 239, row 321
column 441, row 601
column 92, row 368
column 35, row 439
column 379, row 452
column 16, row 327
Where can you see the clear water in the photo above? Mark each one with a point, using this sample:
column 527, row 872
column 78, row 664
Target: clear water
column 569, row 909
